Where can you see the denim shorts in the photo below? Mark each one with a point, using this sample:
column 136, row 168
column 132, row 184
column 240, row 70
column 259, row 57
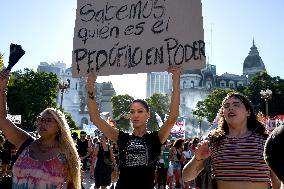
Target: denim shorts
column 176, row 165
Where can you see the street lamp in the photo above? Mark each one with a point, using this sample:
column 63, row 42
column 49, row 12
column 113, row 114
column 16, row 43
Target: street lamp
column 266, row 95
column 63, row 85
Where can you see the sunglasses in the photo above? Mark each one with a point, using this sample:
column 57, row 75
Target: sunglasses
column 45, row 120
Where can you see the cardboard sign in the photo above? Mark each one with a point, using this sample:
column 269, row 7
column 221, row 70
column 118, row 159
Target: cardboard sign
column 115, row 37
column 16, row 119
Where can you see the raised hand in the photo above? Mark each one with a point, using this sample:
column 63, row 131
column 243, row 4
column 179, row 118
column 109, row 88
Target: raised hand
column 202, row 151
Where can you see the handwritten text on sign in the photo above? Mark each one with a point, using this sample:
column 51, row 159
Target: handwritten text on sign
column 131, row 36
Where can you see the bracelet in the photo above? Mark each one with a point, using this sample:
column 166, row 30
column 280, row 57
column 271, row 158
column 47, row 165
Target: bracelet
column 197, row 159
column 3, row 90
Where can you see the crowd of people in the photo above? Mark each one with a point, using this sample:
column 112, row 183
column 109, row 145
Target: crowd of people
column 239, row 153
column 101, row 158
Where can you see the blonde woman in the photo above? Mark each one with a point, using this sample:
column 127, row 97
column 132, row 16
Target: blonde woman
column 49, row 161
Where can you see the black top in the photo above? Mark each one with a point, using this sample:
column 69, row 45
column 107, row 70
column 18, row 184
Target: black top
column 138, row 157
column 82, row 147
column 102, row 154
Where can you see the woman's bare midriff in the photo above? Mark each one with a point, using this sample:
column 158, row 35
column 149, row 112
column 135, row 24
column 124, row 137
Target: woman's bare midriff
column 242, row 184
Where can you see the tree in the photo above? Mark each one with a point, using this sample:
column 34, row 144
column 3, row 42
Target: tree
column 209, row 107
column 158, row 103
column 72, row 124
column 29, row 93
column 200, row 111
column 263, row 81
column 120, row 108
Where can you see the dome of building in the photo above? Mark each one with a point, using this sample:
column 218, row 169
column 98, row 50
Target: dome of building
column 253, row 60
column 253, row 63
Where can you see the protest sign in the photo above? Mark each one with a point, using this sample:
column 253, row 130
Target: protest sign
column 130, row 36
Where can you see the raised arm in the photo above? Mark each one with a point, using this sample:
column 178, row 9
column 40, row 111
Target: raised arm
column 13, row 133
column 94, row 113
column 196, row 164
column 165, row 130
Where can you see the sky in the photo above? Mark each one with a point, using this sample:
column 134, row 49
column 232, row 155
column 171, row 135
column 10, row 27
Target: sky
column 45, row 30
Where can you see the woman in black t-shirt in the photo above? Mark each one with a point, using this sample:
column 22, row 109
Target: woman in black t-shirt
column 138, row 151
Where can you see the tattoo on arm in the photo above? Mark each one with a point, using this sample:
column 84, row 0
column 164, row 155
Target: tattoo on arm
column 91, row 95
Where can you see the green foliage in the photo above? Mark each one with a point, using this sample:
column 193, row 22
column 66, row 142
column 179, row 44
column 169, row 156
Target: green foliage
column 263, row 81
column 209, row 107
column 72, row 124
column 120, row 106
column 29, row 93
column 158, row 103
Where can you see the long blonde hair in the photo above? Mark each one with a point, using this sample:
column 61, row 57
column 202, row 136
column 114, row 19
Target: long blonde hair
column 67, row 147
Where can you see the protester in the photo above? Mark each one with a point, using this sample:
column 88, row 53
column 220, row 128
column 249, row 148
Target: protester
column 105, row 162
column 139, row 151
column 187, row 154
column 170, row 174
column 83, row 149
column 162, row 167
column 93, row 157
column 273, row 154
column 176, row 157
column 48, row 161
column 115, row 169
column 6, row 156
column 236, row 148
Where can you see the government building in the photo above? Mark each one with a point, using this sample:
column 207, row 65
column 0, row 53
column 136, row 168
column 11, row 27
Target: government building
column 74, row 98
column 196, row 85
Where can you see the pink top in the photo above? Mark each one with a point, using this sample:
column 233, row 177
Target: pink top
column 29, row 173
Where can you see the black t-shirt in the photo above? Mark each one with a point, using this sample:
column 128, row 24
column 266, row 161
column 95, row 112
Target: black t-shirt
column 82, row 147
column 138, row 157
column 101, row 155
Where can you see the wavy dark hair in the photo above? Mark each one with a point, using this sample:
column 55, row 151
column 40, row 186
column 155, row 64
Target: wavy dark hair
column 178, row 143
column 253, row 124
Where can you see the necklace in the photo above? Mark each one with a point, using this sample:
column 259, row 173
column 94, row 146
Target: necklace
column 46, row 146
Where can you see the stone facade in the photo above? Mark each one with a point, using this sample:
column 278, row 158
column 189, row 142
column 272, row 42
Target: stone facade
column 74, row 98
column 160, row 82
column 196, row 85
